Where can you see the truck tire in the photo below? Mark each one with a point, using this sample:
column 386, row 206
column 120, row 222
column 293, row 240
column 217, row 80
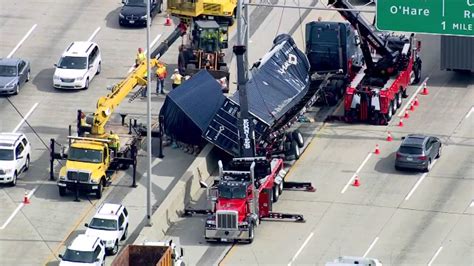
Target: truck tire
column 115, row 249
column 15, row 177
column 275, row 193
column 298, row 137
column 398, row 98
column 295, row 150
column 62, row 191
column 98, row 193
column 251, row 233
column 390, row 111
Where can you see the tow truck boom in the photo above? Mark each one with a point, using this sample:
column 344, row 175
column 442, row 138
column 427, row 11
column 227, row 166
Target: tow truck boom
column 368, row 35
column 107, row 104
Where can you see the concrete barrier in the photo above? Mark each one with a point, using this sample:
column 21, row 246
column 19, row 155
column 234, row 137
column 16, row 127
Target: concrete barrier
column 185, row 190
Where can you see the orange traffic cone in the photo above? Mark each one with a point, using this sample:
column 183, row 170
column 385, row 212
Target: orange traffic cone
column 26, row 200
column 425, row 90
column 356, row 181
column 416, row 103
column 406, row 113
column 389, row 136
column 400, row 124
column 168, row 21
column 377, row 151
column 412, row 106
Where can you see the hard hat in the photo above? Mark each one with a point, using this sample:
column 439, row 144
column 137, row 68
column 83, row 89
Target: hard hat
column 176, row 70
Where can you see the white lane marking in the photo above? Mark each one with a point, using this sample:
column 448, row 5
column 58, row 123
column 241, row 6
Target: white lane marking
column 402, row 111
column 470, row 112
column 301, row 248
column 435, row 255
column 15, row 212
column 356, row 173
column 472, row 204
column 21, row 41
column 151, row 45
column 25, row 117
column 94, row 34
column 418, row 182
column 371, row 246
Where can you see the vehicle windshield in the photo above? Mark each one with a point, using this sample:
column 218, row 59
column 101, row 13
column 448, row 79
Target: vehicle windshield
column 136, row 3
column 8, row 71
column 232, row 192
column 103, row 224
column 79, row 256
column 410, row 150
column 6, row 155
column 83, row 155
column 73, row 62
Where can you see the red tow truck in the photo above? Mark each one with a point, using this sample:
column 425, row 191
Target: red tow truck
column 377, row 90
column 243, row 195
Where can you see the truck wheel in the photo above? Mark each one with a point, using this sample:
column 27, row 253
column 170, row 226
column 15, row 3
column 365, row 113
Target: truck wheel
column 251, row 233
column 125, row 234
column 275, row 194
column 298, row 137
column 394, row 105
column 390, row 111
column 280, row 187
column 62, row 191
column 295, row 150
column 399, row 99
column 98, row 192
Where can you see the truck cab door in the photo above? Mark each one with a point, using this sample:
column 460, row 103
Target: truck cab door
column 106, row 157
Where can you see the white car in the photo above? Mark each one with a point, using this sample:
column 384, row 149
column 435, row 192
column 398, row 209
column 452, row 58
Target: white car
column 15, row 156
column 78, row 66
column 110, row 224
column 84, row 250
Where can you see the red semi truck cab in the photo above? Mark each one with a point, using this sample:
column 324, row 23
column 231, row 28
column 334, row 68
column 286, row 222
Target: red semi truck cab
column 241, row 196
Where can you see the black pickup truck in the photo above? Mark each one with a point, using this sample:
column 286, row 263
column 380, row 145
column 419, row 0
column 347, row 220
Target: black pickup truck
column 133, row 12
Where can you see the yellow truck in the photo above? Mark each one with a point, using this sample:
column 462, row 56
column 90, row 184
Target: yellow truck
column 222, row 11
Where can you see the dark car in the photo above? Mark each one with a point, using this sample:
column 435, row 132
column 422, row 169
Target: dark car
column 133, row 12
column 14, row 72
column 418, row 152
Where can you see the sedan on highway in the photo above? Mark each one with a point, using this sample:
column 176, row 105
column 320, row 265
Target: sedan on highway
column 418, row 152
column 14, row 72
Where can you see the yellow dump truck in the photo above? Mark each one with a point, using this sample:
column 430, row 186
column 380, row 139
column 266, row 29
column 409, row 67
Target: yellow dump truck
column 150, row 253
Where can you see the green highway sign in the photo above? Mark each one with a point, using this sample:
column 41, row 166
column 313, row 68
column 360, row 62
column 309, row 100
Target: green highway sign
column 446, row 17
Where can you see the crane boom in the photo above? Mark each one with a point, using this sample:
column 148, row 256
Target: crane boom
column 107, row 104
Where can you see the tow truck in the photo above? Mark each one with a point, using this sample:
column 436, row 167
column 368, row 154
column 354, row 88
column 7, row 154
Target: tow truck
column 377, row 90
column 90, row 162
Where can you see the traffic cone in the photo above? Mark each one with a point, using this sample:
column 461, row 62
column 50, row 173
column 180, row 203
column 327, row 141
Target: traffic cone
column 406, row 113
column 412, row 106
column 168, row 21
column 377, row 151
column 425, row 90
column 389, row 136
column 416, row 103
column 26, row 200
column 356, row 181
column 400, row 124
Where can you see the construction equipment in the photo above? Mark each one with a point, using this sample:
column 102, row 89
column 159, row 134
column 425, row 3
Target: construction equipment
column 222, row 11
column 242, row 196
column 150, row 253
column 92, row 159
column 205, row 50
column 377, row 90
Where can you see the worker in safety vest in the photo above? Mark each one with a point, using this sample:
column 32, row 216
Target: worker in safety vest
column 114, row 143
column 140, row 57
column 176, row 78
column 83, row 125
column 144, row 88
column 161, row 75
column 210, row 40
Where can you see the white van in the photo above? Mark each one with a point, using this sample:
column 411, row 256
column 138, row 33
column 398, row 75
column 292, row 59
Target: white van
column 78, row 65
